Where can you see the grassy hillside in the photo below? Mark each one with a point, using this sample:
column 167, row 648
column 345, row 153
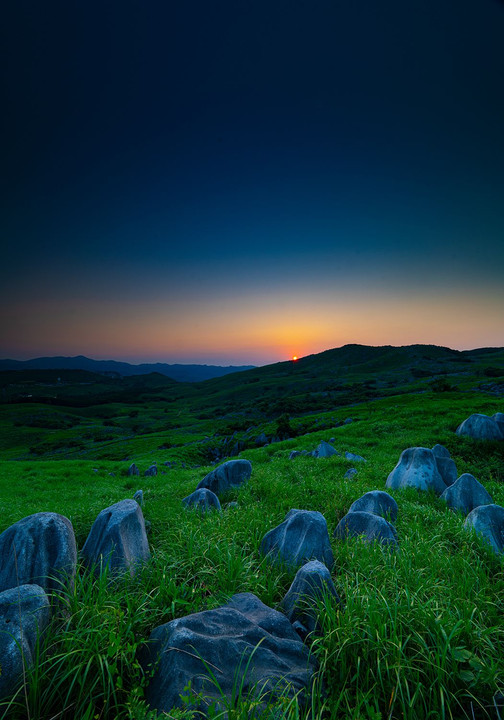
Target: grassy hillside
column 421, row 634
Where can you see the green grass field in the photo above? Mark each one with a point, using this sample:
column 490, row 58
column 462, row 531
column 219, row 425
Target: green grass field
column 422, row 630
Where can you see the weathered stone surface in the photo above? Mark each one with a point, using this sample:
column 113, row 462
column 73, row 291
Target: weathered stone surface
column 372, row 528
column 293, row 454
column 203, row 500
column 440, row 451
column 24, row 615
column 117, row 539
column 447, row 469
column 261, row 439
column 230, row 474
column 354, row 458
column 133, row 470
column 417, row 467
column 488, row 521
column 39, row 549
column 302, row 536
column 243, row 643
column 312, row 581
column 378, row 503
column 350, row 473
column 324, row 450
column 466, row 494
column 138, row 496
column 499, row 419
column 480, row 427
column 151, row 471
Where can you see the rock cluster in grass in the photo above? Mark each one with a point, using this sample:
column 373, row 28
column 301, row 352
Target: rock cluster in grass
column 483, row 427
column 370, row 517
column 242, row 644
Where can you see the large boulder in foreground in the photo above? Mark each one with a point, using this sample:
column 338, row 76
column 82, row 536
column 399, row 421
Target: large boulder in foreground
column 378, row 503
column 312, row 582
column 417, row 468
column 24, row 614
column 481, row 427
column 117, row 539
column 302, row 536
column 202, row 500
column 230, row 474
column 465, row 494
column 488, row 521
column 369, row 527
column 39, row 549
column 243, row 644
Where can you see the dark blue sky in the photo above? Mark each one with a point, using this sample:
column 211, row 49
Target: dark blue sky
column 237, row 181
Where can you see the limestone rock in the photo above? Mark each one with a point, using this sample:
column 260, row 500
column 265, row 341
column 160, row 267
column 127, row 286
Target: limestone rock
column 117, row 538
column 416, row 468
column 243, row 643
column 138, row 496
column 39, row 549
column 447, row 469
column 133, row 470
column 151, row 471
column 230, row 474
column 302, row 536
column 499, row 419
column 261, row 439
column 324, row 450
column 312, row 581
column 354, row 458
column 372, row 528
column 24, row 615
column 481, row 427
column 350, row 473
column 466, row 494
column 378, row 503
column 293, row 454
column 488, row 521
column 202, row 500
column 440, row 451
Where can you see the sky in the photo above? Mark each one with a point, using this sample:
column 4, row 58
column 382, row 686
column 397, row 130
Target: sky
column 242, row 181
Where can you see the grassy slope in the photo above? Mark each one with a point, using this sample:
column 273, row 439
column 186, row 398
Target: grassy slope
column 422, row 632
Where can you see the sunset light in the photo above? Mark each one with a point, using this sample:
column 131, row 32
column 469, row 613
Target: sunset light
column 294, row 357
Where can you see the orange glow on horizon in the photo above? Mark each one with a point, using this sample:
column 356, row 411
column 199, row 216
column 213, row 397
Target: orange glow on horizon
column 294, row 357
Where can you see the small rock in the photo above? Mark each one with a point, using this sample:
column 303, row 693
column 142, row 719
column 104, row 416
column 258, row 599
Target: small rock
column 293, row 454
column 350, row 473
column 376, row 502
column 151, row 471
column 117, row 539
column 312, row 581
column 302, row 536
column 133, row 470
column 24, row 615
column 324, row 450
column 372, row 528
column 465, row 494
column 261, row 439
column 138, row 496
column 488, row 521
column 354, row 458
column 203, row 500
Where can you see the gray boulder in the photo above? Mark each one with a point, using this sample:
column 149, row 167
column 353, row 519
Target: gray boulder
column 311, row 583
column 499, row 419
column 133, row 470
column 480, row 427
column 117, row 539
column 440, row 451
column 350, row 473
column 243, row 644
column 293, row 454
column 466, row 494
column 376, row 502
column 447, row 469
column 354, row 458
column 151, row 471
column 39, row 549
column 488, row 521
column 417, row 467
column 372, row 528
column 230, row 474
column 302, row 536
column 324, row 450
column 138, row 496
column 202, row 500
column 24, row 615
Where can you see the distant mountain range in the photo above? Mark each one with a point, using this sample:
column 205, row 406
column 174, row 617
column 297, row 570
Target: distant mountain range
column 181, row 373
